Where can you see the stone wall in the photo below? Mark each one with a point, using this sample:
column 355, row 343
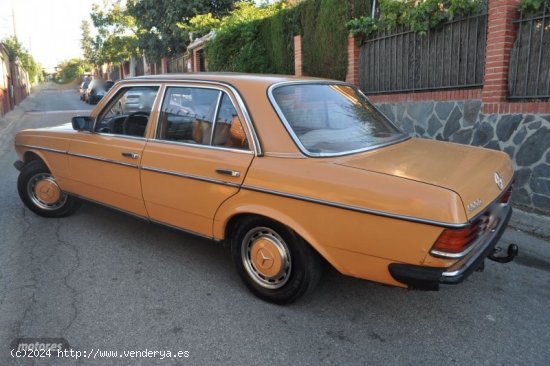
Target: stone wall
column 525, row 137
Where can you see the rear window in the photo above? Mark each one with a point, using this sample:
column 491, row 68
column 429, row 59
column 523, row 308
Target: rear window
column 332, row 119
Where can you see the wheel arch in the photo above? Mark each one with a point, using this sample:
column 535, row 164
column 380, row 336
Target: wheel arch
column 223, row 227
column 31, row 155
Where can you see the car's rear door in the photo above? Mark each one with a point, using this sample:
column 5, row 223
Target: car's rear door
column 197, row 159
column 104, row 164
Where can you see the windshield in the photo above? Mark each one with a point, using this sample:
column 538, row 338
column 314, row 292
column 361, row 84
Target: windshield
column 333, row 119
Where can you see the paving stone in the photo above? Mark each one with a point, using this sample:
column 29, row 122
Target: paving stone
column 483, row 134
column 434, row 125
column 540, row 186
column 542, row 170
column 510, row 150
column 443, row 109
column 420, row 111
column 453, row 123
column 534, row 147
column 521, row 197
column 471, row 112
column 529, row 118
column 535, row 126
column 507, row 125
column 408, row 125
column 520, row 136
column 541, row 202
column 523, row 176
column 419, row 130
column 493, row 145
column 463, row 136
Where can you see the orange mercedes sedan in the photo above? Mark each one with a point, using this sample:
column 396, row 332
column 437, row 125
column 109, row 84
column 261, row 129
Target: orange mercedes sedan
column 291, row 173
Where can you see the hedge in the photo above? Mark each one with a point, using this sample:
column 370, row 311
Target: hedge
column 267, row 45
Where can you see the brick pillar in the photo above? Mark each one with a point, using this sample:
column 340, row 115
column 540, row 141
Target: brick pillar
column 298, row 55
column 352, row 75
column 501, row 33
column 196, row 61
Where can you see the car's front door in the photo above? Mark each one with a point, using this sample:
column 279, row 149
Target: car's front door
column 198, row 158
column 104, row 164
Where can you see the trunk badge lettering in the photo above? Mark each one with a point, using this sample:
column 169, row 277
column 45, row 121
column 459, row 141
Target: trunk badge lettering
column 499, row 181
column 474, row 205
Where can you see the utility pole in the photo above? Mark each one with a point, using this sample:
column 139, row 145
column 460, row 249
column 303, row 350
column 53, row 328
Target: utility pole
column 13, row 21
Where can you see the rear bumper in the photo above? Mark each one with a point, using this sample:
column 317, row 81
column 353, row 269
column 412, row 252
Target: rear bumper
column 429, row 278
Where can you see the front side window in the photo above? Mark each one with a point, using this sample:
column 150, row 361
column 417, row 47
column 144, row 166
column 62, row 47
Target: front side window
column 200, row 116
column 333, row 119
column 127, row 113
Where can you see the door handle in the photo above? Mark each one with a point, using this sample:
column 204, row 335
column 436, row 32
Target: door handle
column 233, row 173
column 130, row 155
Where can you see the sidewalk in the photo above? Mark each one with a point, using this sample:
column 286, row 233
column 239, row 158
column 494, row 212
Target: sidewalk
column 530, row 223
column 17, row 112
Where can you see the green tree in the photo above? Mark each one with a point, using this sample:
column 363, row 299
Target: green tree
column 71, row 69
column 116, row 40
column 87, row 42
column 157, row 22
column 29, row 64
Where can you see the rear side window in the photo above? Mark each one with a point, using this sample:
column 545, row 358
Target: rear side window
column 200, row 116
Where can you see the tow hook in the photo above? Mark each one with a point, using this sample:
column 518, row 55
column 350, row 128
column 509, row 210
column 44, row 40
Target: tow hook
column 512, row 253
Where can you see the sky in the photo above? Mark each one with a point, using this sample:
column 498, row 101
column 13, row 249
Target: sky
column 49, row 29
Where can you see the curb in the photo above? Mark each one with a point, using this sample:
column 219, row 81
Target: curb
column 531, row 223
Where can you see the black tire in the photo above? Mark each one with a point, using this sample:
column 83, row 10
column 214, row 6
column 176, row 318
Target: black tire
column 51, row 202
column 295, row 272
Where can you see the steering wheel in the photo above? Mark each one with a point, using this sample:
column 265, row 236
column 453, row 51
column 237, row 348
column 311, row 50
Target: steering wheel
column 126, row 121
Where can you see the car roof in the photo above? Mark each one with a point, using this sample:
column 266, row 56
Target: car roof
column 236, row 79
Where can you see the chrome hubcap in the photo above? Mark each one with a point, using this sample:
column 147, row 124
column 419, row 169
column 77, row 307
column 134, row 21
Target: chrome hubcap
column 45, row 193
column 266, row 257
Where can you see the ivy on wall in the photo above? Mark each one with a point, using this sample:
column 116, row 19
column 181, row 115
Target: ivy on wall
column 532, row 6
column 418, row 16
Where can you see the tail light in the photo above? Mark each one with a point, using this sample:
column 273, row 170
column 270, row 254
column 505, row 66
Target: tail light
column 455, row 241
column 506, row 196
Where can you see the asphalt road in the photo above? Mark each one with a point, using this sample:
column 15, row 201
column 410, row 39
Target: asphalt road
column 103, row 280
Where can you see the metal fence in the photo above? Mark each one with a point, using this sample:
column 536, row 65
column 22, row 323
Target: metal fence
column 179, row 64
column 451, row 56
column 529, row 72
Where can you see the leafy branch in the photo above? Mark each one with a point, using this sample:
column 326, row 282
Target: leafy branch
column 416, row 15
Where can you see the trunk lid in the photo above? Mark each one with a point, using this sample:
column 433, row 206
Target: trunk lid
column 469, row 171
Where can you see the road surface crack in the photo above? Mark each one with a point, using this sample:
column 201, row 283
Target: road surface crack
column 70, row 272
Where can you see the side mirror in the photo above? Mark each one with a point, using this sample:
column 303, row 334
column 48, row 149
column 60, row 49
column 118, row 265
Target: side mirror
column 83, row 123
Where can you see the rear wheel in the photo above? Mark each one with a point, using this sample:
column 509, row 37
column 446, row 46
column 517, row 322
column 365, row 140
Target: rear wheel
column 40, row 192
column 273, row 261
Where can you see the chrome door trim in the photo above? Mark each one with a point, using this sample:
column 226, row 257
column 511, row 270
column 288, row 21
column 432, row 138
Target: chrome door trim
column 97, row 158
column 190, row 176
column 49, row 149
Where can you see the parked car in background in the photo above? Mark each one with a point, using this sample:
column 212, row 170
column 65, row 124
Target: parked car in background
column 137, row 99
column 109, row 84
column 84, row 88
column 291, row 172
column 96, row 90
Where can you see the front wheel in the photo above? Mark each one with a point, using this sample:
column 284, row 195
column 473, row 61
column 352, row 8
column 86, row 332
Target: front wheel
column 39, row 191
column 273, row 261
